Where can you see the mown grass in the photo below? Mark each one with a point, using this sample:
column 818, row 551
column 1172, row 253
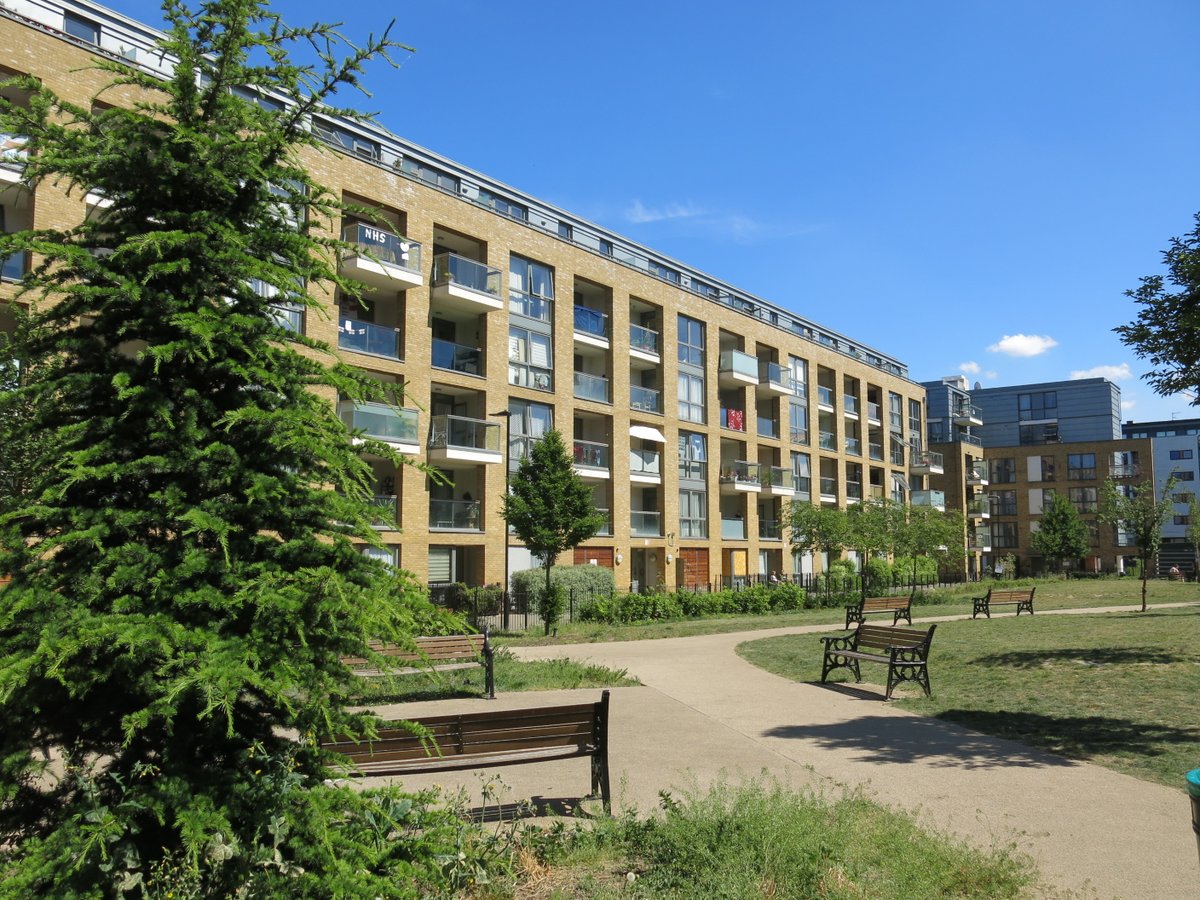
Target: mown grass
column 1116, row 689
column 511, row 675
column 760, row 840
column 1051, row 594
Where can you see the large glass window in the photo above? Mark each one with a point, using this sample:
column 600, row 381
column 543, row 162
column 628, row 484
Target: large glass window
column 798, row 422
column 914, row 421
column 895, row 412
column 693, row 514
column 1081, row 466
column 530, row 360
column 530, row 288
column 691, row 398
column 802, row 467
column 691, row 341
column 799, row 370
column 1004, row 535
column 1003, row 471
column 1004, row 503
column 693, row 455
column 527, row 423
column 85, row 30
column 1083, row 499
column 1047, row 468
column 1040, row 405
column 1181, row 454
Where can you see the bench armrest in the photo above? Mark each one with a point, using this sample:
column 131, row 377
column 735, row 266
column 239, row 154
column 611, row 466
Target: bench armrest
column 842, row 642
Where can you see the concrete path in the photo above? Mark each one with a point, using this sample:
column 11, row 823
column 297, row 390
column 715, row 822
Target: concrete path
column 705, row 714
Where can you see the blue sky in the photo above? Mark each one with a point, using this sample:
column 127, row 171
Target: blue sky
column 968, row 186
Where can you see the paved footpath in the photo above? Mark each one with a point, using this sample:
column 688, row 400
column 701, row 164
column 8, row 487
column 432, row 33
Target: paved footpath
column 704, row 714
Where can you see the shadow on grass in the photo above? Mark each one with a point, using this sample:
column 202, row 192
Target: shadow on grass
column 1092, row 656
column 996, row 739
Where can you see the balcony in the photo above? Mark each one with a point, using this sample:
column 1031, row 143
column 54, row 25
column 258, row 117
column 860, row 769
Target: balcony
column 874, row 411
column 457, row 358
column 1125, row 470
column 977, row 473
column 465, row 285
column 381, row 259
column 739, row 477
column 980, row 542
column 979, row 508
column 14, row 267
column 775, row 380
column 591, row 326
column 875, row 452
column 459, row 439
column 13, row 156
column 850, row 406
column 455, row 515
column 926, row 462
column 854, row 491
column 397, row 427
column 933, row 499
column 529, row 306
column 369, row 338
column 733, row 419
column 897, row 454
column 825, row 397
column 385, row 512
column 645, row 466
column 827, row 440
column 733, row 529
column 804, row 487
column 606, row 528
column 828, row 489
column 645, row 523
column 778, row 481
column 644, row 399
column 770, row 530
column 643, row 343
column 592, row 387
column 737, row 369
column 853, row 446
column 593, row 460
column 1082, row 474
column 768, row 427
column 967, row 414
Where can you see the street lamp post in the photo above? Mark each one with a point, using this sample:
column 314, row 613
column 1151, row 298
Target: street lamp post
column 506, row 415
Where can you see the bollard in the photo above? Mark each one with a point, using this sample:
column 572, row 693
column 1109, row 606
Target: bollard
column 1193, row 784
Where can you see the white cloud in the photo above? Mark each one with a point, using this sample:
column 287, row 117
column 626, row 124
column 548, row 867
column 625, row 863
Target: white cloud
column 991, row 375
column 1112, row 373
column 640, row 214
column 1127, row 405
column 969, row 368
column 1023, row 344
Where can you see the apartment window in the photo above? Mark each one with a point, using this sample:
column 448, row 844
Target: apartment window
column 1183, row 520
column 1084, row 499
column 691, row 342
column 503, row 206
column 896, row 412
column 566, row 232
column 1040, row 405
column 693, row 455
column 606, row 247
column 530, row 360
column 1047, row 468
column 705, row 289
column 691, row 398
column 527, row 424
column 429, row 174
column 664, row 272
column 1183, row 497
column 802, row 466
column 1181, row 454
column 530, row 288
column 1043, row 433
column 798, row 422
column 914, row 419
column 1004, row 535
column 1003, row 503
column 1081, row 467
column 1047, row 499
column 81, row 28
column 1184, row 476
column 799, row 372
column 1003, row 471
column 693, row 514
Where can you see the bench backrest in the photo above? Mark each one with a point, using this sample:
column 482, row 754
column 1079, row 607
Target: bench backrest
column 883, row 637
column 1018, row 594
column 429, row 649
column 581, row 726
column 883, row 604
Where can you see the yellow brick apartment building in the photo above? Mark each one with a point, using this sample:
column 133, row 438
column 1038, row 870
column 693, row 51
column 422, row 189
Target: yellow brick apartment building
column 696, row 411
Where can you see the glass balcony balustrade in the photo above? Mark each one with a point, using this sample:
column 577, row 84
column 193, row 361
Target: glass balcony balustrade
column 850, row 404
column 14, row 151
column 384, row 246
column 825, row 395
column 591, row 321
column 875, row 451
column 645, row 523
column 828, row 486
column 733, row 529
column 460, row 515
column 935, row 499
column 606, row 528
column 736, row 362
column 827, row 440
column 592, row 387
column 450, row 268
column 13, row 267
column 397, row 426
column 778, row 476
column 741, row 472
column 770, row 530
column 854, row 446
column 385, row 511
column 457, row 357
column 854, row 490
column 776, row 375
column 643, row 339
column 367, row 337
column 645, row 462
column 733, row 419
column 644, row 399
column 593, row 455
column 464, row 433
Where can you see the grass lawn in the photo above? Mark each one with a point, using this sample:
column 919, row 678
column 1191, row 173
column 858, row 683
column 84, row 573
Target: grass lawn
column 511, row 675
column 1051, row 594
column 1116, row 689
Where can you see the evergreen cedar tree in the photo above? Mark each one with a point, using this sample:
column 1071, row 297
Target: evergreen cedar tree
column 549, row 507
column 184, row 580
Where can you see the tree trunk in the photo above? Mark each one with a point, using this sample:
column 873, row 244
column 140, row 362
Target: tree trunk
column 1145, row 579
column 547, row 605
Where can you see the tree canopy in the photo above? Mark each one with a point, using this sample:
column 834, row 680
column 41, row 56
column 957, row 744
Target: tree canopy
column 1062, row 534
column 185, row 582
column 1167, row 328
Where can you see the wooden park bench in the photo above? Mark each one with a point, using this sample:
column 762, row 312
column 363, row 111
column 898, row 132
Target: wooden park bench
column 440, row 654
column 1022, row 597
column 905, row 651
column 900, row 607
column 482, row 740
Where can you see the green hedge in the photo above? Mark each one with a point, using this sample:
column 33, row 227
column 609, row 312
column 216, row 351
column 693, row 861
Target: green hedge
column 757, row 600
column 577, row 580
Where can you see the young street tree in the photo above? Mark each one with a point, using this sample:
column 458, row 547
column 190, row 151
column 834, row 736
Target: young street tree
column 1167, row 328
column 1062, row 535
column 932, row 533
column 818, row 529
column 549, row 507
column 184, row 580
column 1140, row 513
column 874, row 527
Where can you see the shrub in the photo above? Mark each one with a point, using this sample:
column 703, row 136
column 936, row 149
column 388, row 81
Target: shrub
column 581, row 581
column 880, row 574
